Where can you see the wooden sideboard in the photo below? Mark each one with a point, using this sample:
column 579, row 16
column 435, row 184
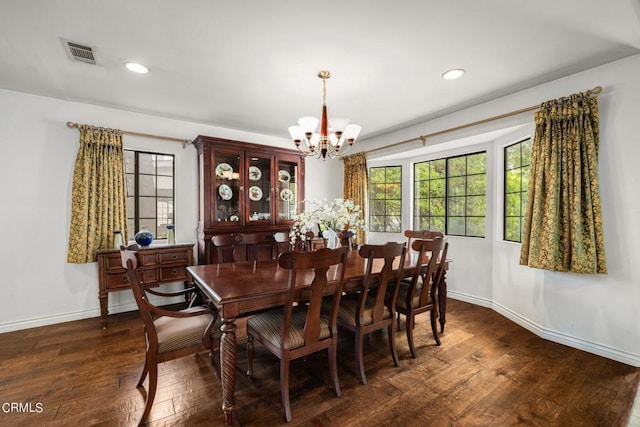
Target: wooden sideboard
column 159, row 264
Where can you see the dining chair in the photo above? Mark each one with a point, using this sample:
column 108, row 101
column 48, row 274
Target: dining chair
column 230, row 246
column 421, row 293
column 420, row 234
column 282, row 243
column 168, row 334
column 373, row 307
column 302, row 326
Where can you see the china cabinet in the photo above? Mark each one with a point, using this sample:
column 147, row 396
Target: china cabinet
column 245, row 188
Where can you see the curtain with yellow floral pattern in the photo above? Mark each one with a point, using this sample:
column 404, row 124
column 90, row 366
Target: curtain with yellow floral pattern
column 98, row 198
column 563, row 218
column 356, row 186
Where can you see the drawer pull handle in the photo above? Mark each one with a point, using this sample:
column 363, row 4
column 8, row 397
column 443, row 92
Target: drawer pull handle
column 174, row 256
column 124, row 278
column 174, row 272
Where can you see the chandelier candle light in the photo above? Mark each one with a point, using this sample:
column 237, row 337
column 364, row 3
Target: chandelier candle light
column 333, row 133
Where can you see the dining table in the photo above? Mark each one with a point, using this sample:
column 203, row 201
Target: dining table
column 242, row 288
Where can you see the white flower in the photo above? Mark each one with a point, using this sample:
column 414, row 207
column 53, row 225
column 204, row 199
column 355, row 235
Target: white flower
column 341, row 214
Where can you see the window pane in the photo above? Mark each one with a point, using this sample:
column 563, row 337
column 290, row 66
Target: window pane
column 147, row 207
column 129, row 161
column 476, row 206
column 385, row 198
column 421, row 171
column 457, row 166
column 512, row 229
column 456, row 226
column 476, row 163
column 512, row 207
column 477, row 184
column 146, row 164
column 516, row 185
column 146, row 185
column 437, row 224
column 165, row 186
column 438, row 188
column 456, row 206
column 475, row 226
column 437, row 207
column 438, row 169
column 457, row 186
column 513, row 180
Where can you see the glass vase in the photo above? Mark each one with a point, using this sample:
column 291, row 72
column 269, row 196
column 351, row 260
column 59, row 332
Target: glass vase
column 144, row 237
column 171, row 234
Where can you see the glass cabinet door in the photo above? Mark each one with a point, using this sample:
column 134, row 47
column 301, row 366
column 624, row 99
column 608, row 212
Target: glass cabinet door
column 286, row 190
column 227, row 188
column 258, row 189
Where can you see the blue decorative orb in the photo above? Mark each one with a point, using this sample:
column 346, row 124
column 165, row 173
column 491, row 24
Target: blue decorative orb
column 144, row 237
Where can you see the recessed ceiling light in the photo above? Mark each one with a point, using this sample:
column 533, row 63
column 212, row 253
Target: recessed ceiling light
column 453, row 74
column 136, row 68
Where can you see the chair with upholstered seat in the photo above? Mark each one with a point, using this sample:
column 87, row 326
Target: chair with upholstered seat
column 420, row 234
column 282, row 243
column 168, row 334
column 302, row 327
column 372, row 308
column 421, row 293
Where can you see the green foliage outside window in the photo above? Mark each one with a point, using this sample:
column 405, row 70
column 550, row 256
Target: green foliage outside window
column 385, row 199
column 450, row 195
column 517, row 163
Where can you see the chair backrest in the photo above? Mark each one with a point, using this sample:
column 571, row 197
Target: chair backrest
column 436, row 250
column 282, row 243
column 129, row 256
column 320, row 261
column 227, row 246
column 388, row 252
column 420, row 234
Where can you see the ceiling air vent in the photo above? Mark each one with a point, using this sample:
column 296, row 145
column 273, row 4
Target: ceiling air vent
column 78, row 52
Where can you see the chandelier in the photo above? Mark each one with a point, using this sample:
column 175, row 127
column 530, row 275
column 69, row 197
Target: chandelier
column 330, row 138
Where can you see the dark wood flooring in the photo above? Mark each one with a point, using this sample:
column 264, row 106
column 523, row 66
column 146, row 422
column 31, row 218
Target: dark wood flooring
column 488, row 371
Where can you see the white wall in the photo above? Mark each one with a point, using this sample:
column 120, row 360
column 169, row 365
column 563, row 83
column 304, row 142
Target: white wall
column 38, row 152
column 597, row 313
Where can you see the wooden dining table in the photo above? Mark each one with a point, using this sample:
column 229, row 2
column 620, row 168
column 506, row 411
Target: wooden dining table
column 242, row 288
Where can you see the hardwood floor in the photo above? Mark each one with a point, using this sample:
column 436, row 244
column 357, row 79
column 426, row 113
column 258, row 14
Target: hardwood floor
column 488, row 371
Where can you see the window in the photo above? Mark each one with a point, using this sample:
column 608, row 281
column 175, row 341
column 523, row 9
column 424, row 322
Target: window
column 150, row 192
column 385, row 199
column 517, row 162
column 450, row 195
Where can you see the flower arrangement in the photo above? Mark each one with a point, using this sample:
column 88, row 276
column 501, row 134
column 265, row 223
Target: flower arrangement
column 341, row 214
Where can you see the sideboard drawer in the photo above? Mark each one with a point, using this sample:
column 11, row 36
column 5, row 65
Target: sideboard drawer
column 168, row 274
column 173, row 257
column 116, row 280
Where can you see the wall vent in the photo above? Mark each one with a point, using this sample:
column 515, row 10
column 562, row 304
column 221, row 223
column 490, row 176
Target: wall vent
column 79, row 52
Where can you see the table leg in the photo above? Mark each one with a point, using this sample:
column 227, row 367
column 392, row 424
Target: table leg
column 228, row 353
column 442, row 300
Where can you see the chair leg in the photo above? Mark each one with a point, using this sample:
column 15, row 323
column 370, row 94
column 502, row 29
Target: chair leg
column 151, row 395
column 409, row 327
column 333, row 368
column 284, row 387
column 145, row 370
column 360, row 356
column 250, row 355
column 434, row 327
column 392, row 343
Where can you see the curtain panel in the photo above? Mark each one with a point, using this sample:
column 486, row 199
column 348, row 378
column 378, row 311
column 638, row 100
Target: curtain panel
column 356, row 186
column 563, row 218
column 98, row 197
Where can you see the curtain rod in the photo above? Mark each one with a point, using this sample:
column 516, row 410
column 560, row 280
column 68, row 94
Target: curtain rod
column 596, row 90
column 146, row 135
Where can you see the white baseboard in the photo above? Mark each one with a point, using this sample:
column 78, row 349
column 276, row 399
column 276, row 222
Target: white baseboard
column 559, row 337
column 80, row 315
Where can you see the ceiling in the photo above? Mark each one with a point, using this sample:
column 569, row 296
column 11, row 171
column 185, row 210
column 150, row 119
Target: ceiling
column 252, row 65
